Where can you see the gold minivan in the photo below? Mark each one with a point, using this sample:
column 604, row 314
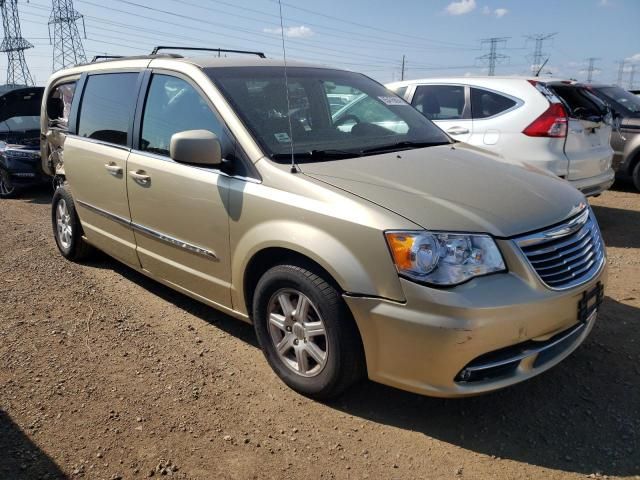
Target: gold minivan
column 356, row 236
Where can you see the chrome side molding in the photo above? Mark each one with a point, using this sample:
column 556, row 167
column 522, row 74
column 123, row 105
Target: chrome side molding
column 151, row 233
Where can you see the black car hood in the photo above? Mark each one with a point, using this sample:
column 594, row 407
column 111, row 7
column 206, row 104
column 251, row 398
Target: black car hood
column 22, row 102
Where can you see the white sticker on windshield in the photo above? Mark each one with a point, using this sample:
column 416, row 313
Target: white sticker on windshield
column 393, row 101
column 282, row 137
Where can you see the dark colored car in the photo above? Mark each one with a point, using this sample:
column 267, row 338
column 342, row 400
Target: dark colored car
column 625, row 140
column 20, row 164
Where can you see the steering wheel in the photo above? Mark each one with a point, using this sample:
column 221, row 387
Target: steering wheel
column 344, row 120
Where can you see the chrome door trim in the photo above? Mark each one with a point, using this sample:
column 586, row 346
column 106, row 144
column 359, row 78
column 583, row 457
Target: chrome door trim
column 104, row 213
column 152, row 233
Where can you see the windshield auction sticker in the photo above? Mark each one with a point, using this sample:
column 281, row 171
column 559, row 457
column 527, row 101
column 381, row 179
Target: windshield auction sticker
column 282, row 137
column 393, row 101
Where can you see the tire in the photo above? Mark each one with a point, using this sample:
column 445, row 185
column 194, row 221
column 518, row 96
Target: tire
column 66, row 227
column 7, row 187
column 635, row 175
column 318, row 365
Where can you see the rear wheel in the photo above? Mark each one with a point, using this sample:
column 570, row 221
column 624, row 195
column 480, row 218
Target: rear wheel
column 7, row 187
column 66, row 227
column 306, row 332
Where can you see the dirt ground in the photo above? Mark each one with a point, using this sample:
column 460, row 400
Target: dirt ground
column 105, row 374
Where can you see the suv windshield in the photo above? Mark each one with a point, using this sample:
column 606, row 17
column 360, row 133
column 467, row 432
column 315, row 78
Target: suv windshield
column 621, row 100
column 329, row 113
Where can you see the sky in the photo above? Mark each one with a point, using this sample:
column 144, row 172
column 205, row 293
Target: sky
column 437, row 37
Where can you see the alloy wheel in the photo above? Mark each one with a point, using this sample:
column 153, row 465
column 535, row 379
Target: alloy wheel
column 298, row 332
column 64, row 228
column 6, row 186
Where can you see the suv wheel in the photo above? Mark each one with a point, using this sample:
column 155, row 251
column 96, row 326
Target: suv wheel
column 306, row 332
column 66, row 227
column 7, row 188
column 636, row 175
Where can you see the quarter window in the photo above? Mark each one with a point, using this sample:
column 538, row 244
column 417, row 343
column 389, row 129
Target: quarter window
column 486, row 104
column 107, row 105
column 174, row 106
column 440, row 102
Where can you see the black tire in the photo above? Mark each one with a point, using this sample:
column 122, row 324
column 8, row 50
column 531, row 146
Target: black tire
column 7, row 187
column 73, row 246
column 344, row 364
column 635, row 175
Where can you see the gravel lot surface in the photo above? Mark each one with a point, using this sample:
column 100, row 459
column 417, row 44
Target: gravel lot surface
column 105, row 374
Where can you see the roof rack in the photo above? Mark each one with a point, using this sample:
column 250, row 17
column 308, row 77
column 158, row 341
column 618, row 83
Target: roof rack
column 105, row 57
column 200, row 49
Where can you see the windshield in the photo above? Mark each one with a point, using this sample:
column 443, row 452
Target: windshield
column 20, row 124
column 332, row 113
column 627, row 101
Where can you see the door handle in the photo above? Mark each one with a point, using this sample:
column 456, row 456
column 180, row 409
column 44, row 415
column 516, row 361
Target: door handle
column 113, row 169
column 457, row 130
column 140, row 176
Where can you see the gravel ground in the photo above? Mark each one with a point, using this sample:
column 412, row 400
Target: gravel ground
column 105, row 374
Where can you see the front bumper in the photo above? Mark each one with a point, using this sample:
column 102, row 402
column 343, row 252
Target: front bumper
column 423, row 344
column 595, row 185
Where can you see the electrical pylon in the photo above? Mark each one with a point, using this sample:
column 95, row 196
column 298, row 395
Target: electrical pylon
column 67, row 42
column 14, row 45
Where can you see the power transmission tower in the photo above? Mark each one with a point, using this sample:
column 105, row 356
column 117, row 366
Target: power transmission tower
column 14, row 45
column 67, row 43
column 591, row 68
column 622, row 64
column 538, row 54
column 632, row 74
column 402, row 70
column 493, row 57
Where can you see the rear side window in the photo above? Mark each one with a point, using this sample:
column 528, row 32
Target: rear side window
column 578, row 101
column 485, row 104
column 174, row 106
column 107, row 105
column 440, row 102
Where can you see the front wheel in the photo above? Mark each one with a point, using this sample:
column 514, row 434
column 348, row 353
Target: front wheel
column 636, row 176
column 7, row 187
column 66, row 227
column 306, row 332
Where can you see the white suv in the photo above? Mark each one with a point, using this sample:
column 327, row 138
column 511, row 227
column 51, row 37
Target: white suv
column 556, row 126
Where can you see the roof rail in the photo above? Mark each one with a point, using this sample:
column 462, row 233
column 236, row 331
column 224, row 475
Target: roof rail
column 201, row 49
column 105, row 57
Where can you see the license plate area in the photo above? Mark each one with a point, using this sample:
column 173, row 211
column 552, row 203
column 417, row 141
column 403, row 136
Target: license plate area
column 590, row 301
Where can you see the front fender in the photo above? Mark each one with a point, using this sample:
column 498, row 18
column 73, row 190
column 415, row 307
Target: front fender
column 354, row 271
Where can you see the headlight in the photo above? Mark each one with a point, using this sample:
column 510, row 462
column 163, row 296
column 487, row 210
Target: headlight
column 443, row 258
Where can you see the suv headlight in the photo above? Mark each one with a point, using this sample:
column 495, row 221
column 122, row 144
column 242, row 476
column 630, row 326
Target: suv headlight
column 442, row 258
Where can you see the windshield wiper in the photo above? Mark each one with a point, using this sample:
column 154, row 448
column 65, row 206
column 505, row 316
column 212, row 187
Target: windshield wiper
column 318, row 155
column 405, row 145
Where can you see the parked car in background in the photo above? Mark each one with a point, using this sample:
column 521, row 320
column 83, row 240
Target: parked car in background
column 551, row 125
column 625, row 139
column 20, row 140
column 393, row 253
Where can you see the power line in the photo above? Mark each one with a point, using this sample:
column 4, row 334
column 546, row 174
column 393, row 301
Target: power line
column 14, row 45
column 493, row 57
column 538, row 54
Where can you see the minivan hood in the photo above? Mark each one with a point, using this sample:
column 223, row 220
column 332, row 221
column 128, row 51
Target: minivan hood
column 455, row 188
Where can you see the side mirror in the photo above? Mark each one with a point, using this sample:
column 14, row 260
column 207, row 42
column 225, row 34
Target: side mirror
column 198, row 147
column 55, row 108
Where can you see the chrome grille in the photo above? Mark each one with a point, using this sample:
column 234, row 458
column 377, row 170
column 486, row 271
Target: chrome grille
column 567, row 255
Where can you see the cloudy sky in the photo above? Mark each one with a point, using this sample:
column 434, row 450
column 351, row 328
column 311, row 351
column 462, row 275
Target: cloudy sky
column 438, row 37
